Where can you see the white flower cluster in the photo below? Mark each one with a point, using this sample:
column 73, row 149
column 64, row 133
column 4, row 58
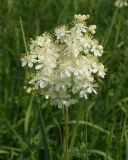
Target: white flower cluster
column 121, row 3
column 66, row 65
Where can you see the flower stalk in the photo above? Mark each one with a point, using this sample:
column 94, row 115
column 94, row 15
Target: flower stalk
column 66, row 131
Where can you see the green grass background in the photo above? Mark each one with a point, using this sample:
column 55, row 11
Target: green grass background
column 98, row 128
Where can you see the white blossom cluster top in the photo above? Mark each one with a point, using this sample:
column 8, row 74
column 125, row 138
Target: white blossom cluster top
column 121, row 3
column 65, row 66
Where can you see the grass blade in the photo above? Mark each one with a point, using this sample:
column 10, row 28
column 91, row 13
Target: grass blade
column 27, row 116
column 44, row 134
column 94, row 151
column 23, row 35
column 126, row 138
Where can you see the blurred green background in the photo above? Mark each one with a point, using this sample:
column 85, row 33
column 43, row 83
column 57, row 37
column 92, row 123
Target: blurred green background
column 107, row 123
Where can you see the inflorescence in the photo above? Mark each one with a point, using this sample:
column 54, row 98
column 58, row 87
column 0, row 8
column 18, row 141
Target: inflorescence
column 121, row 3
column 65, row 65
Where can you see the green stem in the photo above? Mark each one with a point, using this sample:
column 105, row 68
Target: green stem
column 44, row 134
column 66, row 133
column 86, row 130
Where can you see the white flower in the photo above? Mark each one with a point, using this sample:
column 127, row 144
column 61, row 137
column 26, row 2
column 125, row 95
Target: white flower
column 47, row 97
column 79, row 27
column 83, row 94
column 101, row 70
column 121, row 3
column 61, row 32
column 29, row 89
column 90, row 89
column 60, row 87
column 81, row 18
column 97, row 49
column 92, row 29
column 65, row 65
column 28, row 60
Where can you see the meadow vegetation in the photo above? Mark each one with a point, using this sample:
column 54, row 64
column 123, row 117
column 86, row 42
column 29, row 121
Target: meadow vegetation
column 98, row 127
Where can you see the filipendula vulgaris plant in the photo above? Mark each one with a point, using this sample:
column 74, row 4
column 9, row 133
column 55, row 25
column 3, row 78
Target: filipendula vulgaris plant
column 65, row 65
